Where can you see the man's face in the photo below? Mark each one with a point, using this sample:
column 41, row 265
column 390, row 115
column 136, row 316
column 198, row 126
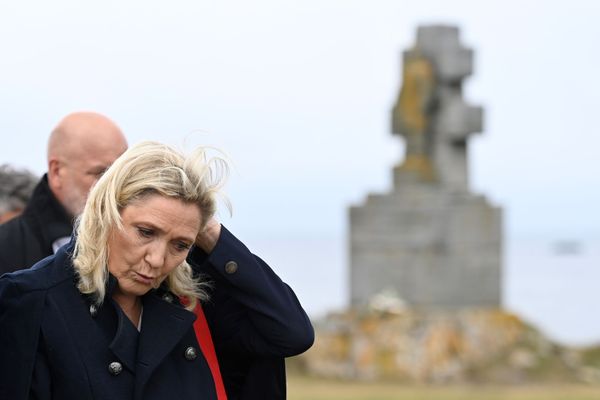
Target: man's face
column 78, row 178
column 8, row 215
column 80, row 173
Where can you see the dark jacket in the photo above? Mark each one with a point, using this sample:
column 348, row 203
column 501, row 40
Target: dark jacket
column 54, row 347
column 28, row 238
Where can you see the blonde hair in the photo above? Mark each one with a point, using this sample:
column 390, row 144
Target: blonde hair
column 144, row 169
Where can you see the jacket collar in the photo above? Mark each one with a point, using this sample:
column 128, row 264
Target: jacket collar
column 49, row 218
column 163, row 325
column 124, row 343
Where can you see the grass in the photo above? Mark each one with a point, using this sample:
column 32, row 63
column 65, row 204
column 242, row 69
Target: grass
column 301, row 388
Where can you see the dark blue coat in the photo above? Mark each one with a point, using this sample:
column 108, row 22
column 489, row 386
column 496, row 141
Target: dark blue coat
column 53, row 347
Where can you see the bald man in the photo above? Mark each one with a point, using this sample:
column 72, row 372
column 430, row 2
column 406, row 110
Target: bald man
column 81, row 147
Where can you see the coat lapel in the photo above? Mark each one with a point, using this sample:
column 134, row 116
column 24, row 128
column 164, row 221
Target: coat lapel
column 163, row 326
column 124, row 343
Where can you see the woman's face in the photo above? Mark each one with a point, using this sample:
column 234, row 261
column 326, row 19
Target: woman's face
column 156, row 237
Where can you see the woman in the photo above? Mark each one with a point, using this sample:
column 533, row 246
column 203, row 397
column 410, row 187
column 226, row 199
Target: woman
column 111, row 315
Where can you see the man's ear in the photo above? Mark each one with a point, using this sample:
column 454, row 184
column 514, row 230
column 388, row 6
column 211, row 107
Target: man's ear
column 54, row 173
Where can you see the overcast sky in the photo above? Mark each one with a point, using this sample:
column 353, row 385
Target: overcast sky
column 298, row 94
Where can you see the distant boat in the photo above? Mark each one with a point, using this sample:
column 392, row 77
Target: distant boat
column 567, row 247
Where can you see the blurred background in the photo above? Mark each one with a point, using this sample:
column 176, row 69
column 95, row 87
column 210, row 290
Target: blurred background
column 298, row 94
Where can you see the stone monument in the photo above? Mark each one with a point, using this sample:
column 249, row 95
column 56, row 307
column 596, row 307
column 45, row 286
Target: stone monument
column 430, row 240
column 425, row 258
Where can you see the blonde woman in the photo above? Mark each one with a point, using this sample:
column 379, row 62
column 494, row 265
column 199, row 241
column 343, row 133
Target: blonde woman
column 152, row 299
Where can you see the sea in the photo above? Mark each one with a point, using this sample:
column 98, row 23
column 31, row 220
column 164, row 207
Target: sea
column 553, row 285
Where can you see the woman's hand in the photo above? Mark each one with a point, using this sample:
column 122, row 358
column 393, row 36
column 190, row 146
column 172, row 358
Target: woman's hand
column 207, row 238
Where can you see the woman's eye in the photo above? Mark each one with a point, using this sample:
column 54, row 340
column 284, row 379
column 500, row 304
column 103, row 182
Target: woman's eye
column 181, row 246
column 145, row 232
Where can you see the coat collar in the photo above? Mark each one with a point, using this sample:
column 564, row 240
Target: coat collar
column 163, row 325
column 48, row 217
column 125, row 341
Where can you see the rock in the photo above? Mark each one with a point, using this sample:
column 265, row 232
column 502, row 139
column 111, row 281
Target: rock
column 469, row 345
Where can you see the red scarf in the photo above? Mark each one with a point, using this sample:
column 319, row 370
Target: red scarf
column 208, row 349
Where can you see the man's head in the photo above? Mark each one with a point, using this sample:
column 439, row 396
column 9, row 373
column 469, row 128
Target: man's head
column 81, row 147
column 16, row 187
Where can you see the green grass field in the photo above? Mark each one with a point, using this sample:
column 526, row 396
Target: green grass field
column 300, row 388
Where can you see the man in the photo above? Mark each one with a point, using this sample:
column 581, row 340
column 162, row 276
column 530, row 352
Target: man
column 16, row 187
column 81, row 147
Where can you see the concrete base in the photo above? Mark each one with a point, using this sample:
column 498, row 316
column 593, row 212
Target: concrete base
column 434, row 247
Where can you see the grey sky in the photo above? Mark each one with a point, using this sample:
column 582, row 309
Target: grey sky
column 299, row 93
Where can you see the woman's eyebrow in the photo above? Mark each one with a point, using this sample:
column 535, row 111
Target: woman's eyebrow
column 158, row 229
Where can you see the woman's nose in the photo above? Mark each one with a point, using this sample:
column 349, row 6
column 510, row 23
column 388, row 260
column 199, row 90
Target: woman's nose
column 155, row 254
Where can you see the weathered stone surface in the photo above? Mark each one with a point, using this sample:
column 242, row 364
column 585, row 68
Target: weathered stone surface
column 470, row 345
column 440, row 43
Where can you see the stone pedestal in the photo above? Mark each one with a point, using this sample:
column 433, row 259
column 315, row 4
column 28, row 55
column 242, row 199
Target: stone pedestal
column 433, row 247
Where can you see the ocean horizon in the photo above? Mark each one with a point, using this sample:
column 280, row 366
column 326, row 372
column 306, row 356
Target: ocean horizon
column 550, row 284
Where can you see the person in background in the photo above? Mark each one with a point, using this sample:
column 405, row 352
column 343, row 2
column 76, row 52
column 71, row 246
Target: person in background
column 16, row 187
column 115, row 314
column 81, row 147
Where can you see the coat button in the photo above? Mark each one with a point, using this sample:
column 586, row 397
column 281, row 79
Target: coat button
column 93, row 310
column 231, row 267
column 190, row 354
column 168, row 297
column 115, row 368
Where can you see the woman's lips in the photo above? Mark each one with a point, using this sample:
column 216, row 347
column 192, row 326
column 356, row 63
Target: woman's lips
column 145, row 279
